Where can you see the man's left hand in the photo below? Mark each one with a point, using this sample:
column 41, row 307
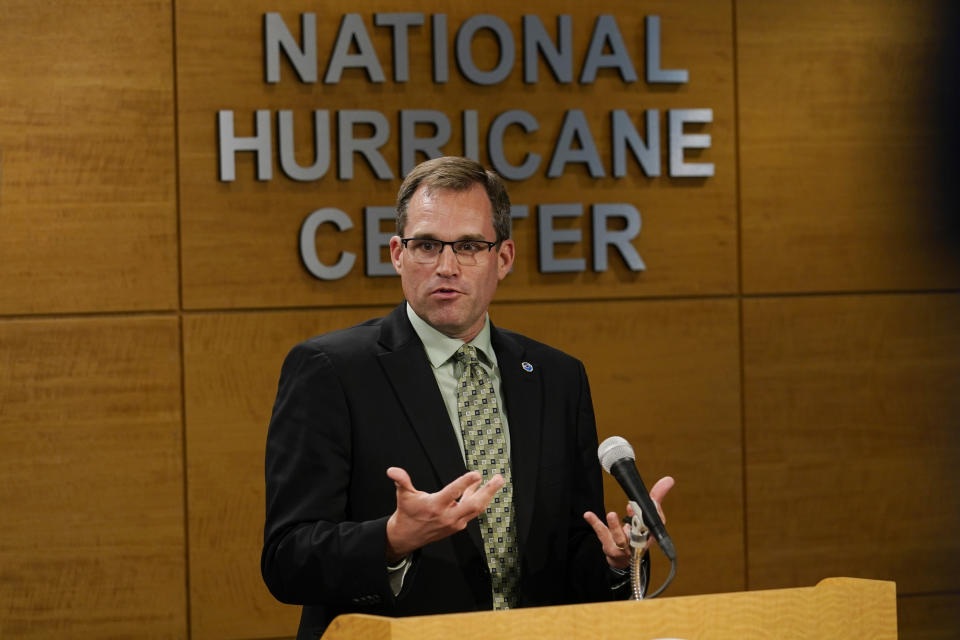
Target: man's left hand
column 615, row 537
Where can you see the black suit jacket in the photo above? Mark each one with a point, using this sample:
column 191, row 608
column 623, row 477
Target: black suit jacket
column 354, row 402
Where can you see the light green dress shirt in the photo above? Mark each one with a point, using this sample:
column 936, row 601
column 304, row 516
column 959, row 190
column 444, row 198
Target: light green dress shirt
column 440, row 349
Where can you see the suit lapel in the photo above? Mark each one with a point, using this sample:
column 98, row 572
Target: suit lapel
column 406, row 366
column 523, row 391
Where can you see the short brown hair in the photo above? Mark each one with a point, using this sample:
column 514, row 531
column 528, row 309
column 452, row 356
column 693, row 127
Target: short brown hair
column 456, row 174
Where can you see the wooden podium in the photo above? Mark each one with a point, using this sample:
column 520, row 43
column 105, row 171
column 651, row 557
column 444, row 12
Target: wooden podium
column 837, row 608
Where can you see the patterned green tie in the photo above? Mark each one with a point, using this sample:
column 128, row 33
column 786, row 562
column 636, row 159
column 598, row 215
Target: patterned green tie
column 485, row 449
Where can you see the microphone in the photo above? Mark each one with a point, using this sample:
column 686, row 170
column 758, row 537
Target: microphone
column 617, row 458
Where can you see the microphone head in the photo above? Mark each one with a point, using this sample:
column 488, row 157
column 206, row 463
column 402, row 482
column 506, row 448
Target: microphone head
column 612, row 449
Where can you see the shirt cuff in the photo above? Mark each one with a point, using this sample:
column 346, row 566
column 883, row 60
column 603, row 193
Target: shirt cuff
column 620, row 577
column 396, row 573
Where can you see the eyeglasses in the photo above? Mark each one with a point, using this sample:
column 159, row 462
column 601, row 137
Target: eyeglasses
column 428, row 250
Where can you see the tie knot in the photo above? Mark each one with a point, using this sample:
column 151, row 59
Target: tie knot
column 467, row 355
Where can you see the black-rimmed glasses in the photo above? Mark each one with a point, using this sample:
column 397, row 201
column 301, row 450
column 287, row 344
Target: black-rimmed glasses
column 428, row 250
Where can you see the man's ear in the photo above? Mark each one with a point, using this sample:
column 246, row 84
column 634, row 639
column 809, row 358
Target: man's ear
column 505, row 258
column 396, row 249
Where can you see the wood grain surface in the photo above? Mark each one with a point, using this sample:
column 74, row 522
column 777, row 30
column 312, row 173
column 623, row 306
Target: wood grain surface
column 232, row 364
column 851, row 439
column 91, row 479
column 839, row 608
column 87, row 164
column 933, row 616
column 841, row 147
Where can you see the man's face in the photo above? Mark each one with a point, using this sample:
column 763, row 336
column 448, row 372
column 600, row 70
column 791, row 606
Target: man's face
column 451, row 297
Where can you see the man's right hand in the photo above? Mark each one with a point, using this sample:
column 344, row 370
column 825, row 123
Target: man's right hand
column 422, row 518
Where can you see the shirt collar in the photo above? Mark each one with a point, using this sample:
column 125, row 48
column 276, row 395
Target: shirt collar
column 440, row 348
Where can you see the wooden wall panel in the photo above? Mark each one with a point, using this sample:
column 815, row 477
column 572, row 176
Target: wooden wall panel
column 852, row 447
column 232, row 364
column 91, row 479
column 839, row 147
column 240, row 239
column 664, row 375
column 929, row 617
column 87, row 157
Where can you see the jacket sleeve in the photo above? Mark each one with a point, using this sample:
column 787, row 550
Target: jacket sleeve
column 312, row 554
column 590, row 578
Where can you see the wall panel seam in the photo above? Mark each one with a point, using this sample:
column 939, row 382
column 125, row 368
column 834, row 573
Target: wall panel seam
column 739, row 213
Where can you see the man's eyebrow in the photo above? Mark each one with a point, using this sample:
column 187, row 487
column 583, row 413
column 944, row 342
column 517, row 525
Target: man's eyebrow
column 466, row 236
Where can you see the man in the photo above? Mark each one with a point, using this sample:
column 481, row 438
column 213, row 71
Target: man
column 428, row 462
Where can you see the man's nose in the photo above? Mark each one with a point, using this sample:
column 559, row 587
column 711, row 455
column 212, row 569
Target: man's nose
column 447, row 262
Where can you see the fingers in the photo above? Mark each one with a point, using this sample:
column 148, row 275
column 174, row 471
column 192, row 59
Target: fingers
column 659, row 492
column 400, row 478
column 478, row 499
column 613, row 538
column 421, row 518
column 467, row 489
column 661, row 488
column 606, row 531
column 597, row 525
column 457, row 488
column 616, row 530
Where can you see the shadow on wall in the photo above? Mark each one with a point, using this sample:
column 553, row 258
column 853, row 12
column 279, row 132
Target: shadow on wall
column 944, row 99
